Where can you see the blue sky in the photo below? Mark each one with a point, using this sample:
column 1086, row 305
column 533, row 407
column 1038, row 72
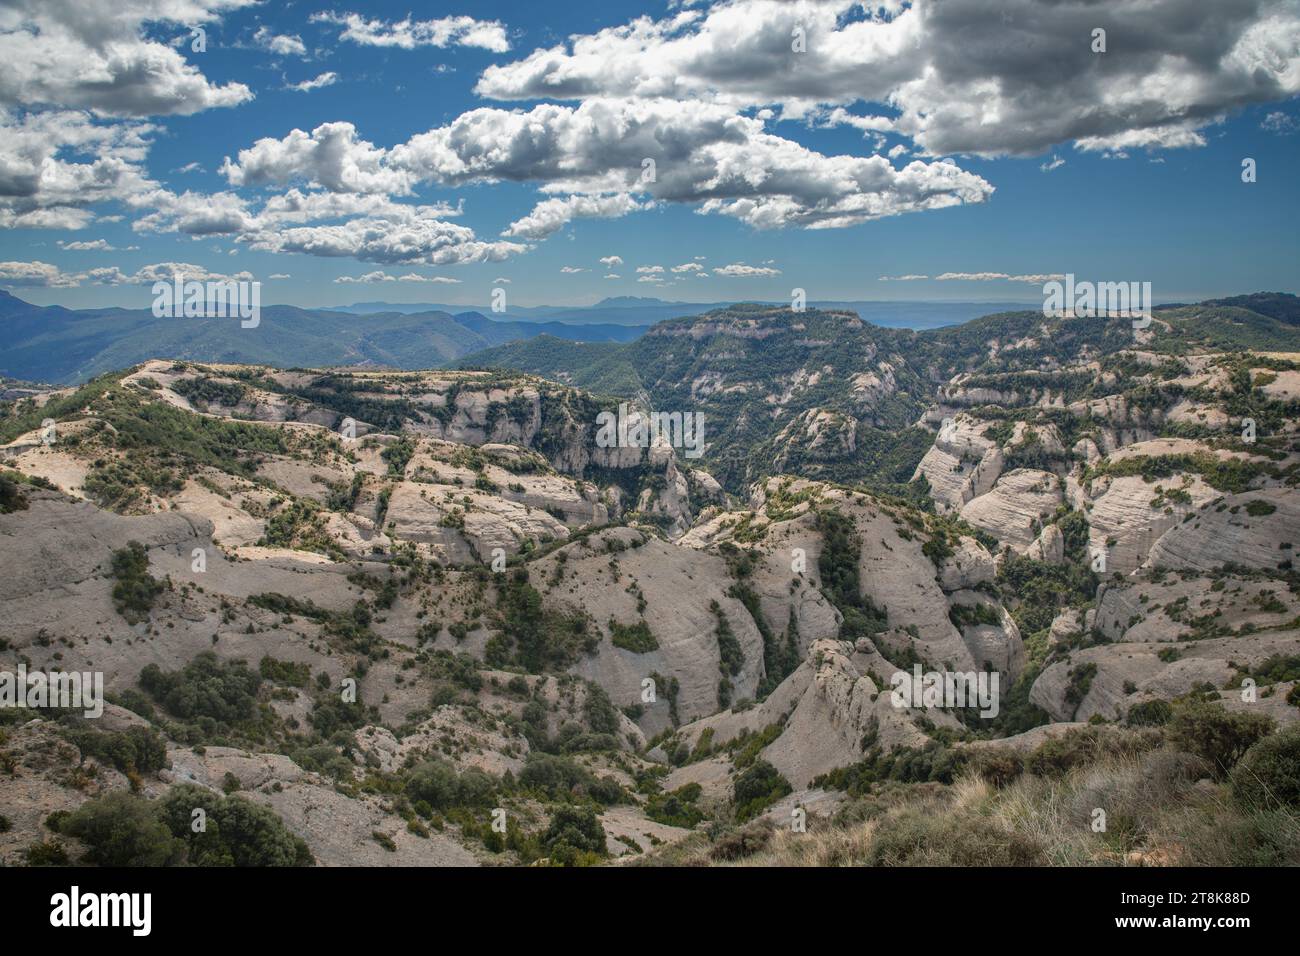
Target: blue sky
column 993, row 147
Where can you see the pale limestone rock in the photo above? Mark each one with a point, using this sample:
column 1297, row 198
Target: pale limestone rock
column 1014, row 509
column 1049, row 547
column 969, row 565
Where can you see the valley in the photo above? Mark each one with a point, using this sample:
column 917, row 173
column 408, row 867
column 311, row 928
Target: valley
column 423, row 617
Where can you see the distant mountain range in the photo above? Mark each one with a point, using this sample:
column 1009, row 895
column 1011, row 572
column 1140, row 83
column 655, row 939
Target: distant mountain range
column 61, row 346
column 644, row 311
column 65, row 346
column 57, row 345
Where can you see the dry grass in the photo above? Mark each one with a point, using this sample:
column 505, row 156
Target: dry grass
column 1161, row 808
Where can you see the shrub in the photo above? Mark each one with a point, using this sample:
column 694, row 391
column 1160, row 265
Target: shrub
column 120, row 829
column 237, row 832
column 742, row 843
column 1084, row 747
column 758, row 788
column 437, row 784
column 636, row 638
column 920, row 837
column 434, row 782
column 1268, row 776
column 205, row 687
column 46, row 854
column 574, row 833
column 677, row 808
column 136, row 590
column 557, row 777
column 1149, row 713
column 11, row 497
column 997, row 766
column 1220, row 736
column 134, row 750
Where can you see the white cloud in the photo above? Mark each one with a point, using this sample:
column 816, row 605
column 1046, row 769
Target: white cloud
column 1033, row 279
column 611, row 261
column 957, row 76
column 688, row 267
column 34, row 275
column 87, row 245
column 43, row 274
column 47, row 180
column 369, row 277
column 569, row 270
column 1056, row 162
column 281, row 44
column 408, row 34
column 388, row 242
column 649, row 270
column 96, row 56
column 705, row 155
column 738, row 270
column 551, row 215
column 328, row 78
column 331, row 156
column 380, row 276
column 1280, row 123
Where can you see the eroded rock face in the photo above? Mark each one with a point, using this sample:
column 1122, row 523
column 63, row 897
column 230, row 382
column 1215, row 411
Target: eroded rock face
column 1257, row 529
column 388, row 546
column 969, row 566
column 678, row 588
column 1013, row 511
column 962, row 464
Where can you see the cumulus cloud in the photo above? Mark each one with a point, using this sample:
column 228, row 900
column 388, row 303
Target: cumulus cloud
column 408, row 34
column 704, row 153
column 649, row 270
column 610, row 262
column 87, row 245
column 1279, row 123
column 331, row 156
column 552, row 215
column 55, row 164
column 738, row 270
column 44, row 275
column 34, row 275
column 956, row 76
column 430, row 241
column 688, row 267
column 570, row 270
column 282, row 44
column 328, row 78
column 1033, row 279
column 96, row 56
column 381, row 276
